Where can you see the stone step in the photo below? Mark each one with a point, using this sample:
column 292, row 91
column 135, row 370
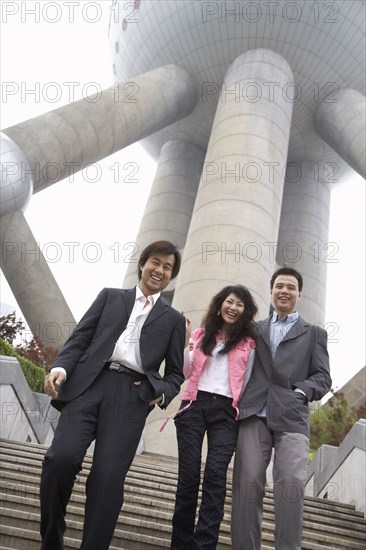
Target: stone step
column 30, row 474
column 139, row 507
column 127, row 528
column 145, row 521
column 139, row 467
column 142, row 507
column 131, row 517
column 15, row 538
column 16, row 525
column 36, row 451
column 134, row 509
column 161, row 497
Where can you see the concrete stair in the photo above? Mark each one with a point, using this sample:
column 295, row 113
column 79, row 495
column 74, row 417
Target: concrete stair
column 145, row 521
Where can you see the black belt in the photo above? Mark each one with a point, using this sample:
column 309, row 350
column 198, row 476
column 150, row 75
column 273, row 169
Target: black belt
column 118, row 367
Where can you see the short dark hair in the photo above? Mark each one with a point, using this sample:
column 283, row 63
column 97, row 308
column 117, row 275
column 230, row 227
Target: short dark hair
column 160, row 247
column 287, row 271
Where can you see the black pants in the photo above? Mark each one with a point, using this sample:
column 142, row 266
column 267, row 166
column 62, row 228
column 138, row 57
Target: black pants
column 112, row 413
column 215, row 415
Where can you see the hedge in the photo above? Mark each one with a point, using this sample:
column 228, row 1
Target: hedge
column 33, row 374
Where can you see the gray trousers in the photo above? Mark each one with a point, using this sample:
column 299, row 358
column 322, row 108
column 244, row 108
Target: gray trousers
column 253, row 453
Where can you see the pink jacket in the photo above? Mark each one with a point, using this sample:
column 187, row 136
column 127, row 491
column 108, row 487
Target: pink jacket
column 240, row 363
column 237, row 362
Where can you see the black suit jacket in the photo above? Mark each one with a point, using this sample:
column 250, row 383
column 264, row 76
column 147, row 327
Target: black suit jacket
column 301, row 361
column 91, row 344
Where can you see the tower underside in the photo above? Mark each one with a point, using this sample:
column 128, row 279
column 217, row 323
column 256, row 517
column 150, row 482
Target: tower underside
column 254, row 113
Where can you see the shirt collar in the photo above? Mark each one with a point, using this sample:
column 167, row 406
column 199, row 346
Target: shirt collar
column 291, row 318
column 153, row 298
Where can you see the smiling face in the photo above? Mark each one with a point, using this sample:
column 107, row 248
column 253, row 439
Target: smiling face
column 156, row 273
column 285, row 294
column 231, row 310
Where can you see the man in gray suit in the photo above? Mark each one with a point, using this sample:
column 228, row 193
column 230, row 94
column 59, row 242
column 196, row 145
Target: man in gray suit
column 105, row 381
column 291, row 368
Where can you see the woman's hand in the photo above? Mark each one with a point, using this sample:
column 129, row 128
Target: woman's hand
column 188, row 333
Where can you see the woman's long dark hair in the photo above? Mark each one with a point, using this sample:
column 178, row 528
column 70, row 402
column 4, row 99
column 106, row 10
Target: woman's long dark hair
column 212, row 322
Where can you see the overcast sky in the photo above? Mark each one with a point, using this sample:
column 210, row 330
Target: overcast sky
column 99, row 212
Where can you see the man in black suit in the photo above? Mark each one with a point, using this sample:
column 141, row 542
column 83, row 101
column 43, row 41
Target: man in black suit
column 105, row 381
column 291, row 368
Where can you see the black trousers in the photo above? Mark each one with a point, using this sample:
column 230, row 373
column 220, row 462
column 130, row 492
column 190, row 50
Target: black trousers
column 112, row 413
column 215, row 415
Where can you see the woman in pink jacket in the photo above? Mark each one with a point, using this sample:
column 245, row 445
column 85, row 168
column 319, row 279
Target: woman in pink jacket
column 217, row 369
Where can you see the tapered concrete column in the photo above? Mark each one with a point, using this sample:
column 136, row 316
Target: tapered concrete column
column 341, row 122
column 170, row 204
column 62, row 142
column 303, row 235
column 238, row 205
column 167, row 216
column 32, row 282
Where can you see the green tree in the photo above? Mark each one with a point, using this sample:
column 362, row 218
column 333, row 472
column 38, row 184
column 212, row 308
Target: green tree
column 10, row 327
column 37, row 352
column 34, row 350
column 330, row 423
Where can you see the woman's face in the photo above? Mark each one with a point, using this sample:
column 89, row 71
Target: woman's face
column 231, row 310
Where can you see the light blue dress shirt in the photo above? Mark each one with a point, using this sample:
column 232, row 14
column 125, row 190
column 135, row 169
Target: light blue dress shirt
column 279, row 327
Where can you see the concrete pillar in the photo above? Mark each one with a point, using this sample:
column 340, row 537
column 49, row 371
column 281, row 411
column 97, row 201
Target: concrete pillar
column 341, row 122
column 16, row 186
column 170, row 204
column 66, row 140
column 167, row 216
column 62, row 142
column 238, row 205
column 33, row 285
column 303, row 235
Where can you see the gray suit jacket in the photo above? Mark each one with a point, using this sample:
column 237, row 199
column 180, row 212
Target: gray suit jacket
column 301, row 361
column 91, row 344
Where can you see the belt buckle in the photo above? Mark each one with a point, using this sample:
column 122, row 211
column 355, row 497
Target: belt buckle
column 117, row 367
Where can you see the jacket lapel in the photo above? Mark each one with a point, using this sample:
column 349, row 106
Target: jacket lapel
column 128, row 298
column 263, row 353
column 296, row 330
column 263, row 327
column 159, row 309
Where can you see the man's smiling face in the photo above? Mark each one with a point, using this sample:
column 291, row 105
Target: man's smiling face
column 156, row 273
column 285, row 294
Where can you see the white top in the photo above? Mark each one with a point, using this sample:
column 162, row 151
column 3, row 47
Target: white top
column 215, row 374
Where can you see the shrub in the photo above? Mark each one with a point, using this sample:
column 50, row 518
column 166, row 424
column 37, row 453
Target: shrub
column 37, row 352
column 33, row 374
column 331, row 423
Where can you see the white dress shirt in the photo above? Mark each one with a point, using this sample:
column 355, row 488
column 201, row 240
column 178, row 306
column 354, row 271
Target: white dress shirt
column 127, row 348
